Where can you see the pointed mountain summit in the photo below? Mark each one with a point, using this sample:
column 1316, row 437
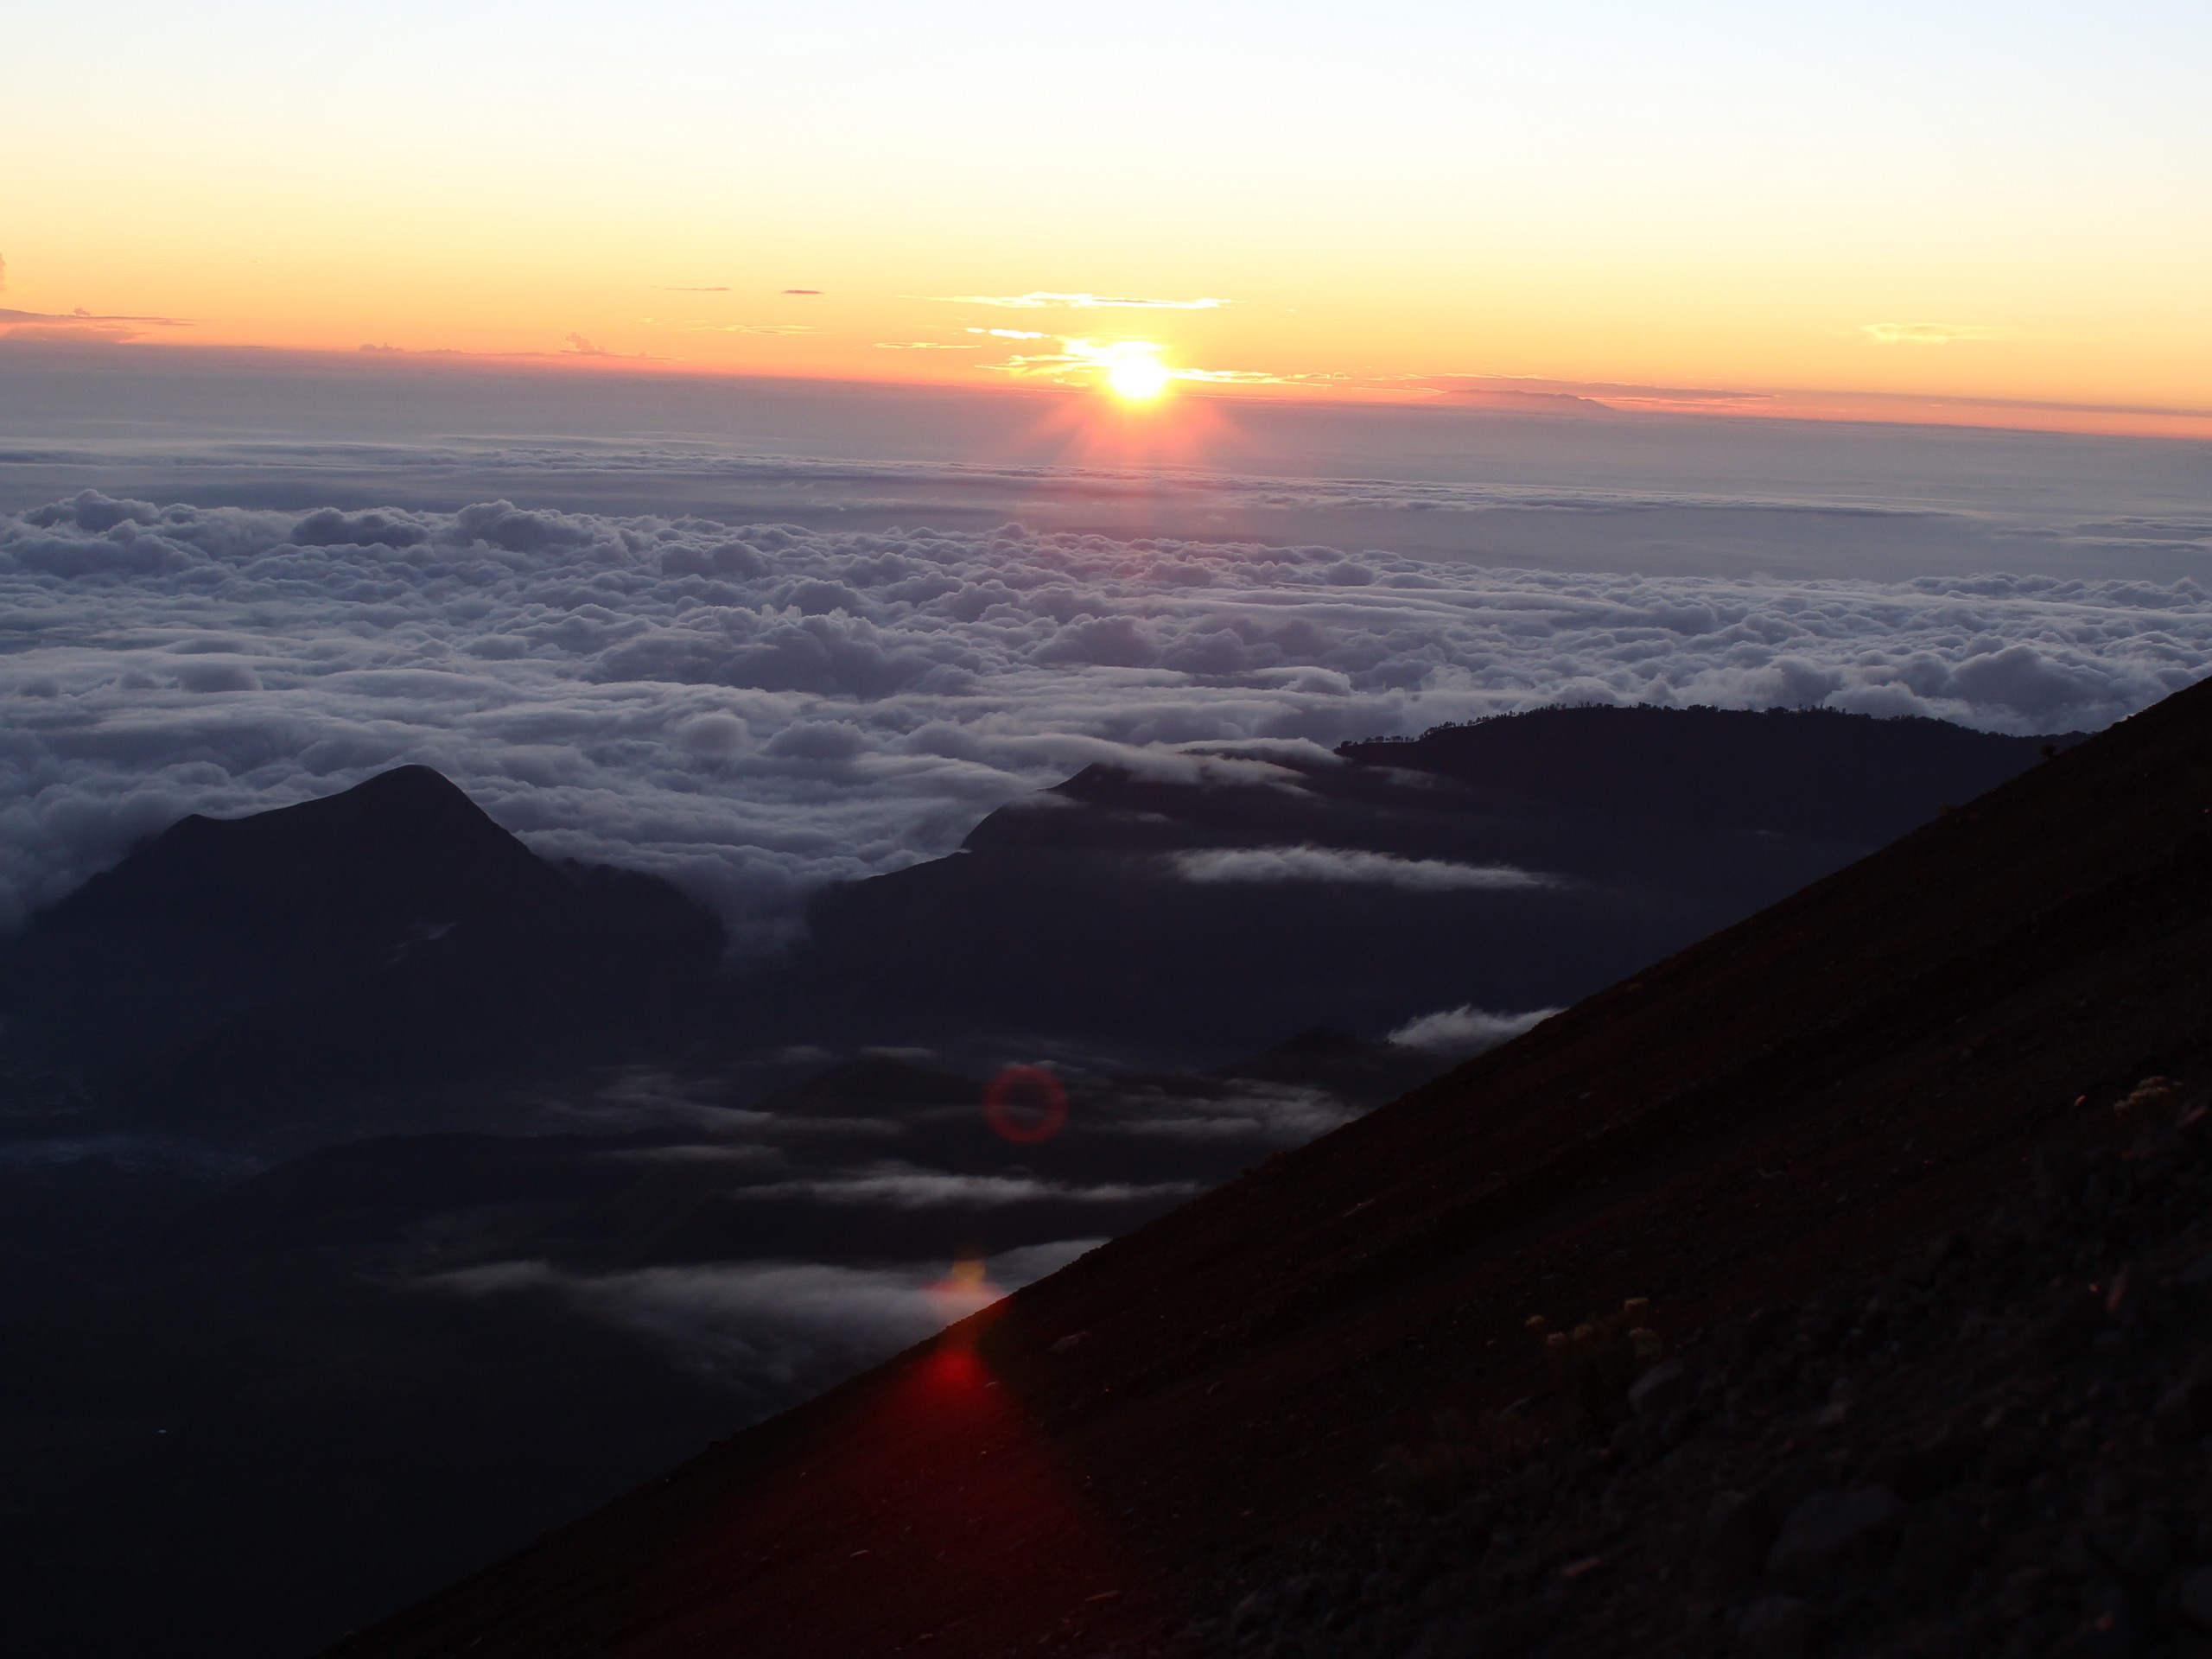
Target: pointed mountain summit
column 1818, row 1092
column 388, row 930
column 333, row 881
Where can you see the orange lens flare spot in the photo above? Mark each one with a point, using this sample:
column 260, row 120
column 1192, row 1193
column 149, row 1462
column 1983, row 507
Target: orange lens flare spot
column 1026, row 1105
column 967, row 1275
column 966, row 1289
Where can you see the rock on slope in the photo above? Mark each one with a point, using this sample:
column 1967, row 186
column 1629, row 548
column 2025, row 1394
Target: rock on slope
column 1767, row 1119
column 1997, row 1448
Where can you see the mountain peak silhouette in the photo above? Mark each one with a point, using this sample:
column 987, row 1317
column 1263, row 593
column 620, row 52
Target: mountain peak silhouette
column 392, row 928
column 405, row 840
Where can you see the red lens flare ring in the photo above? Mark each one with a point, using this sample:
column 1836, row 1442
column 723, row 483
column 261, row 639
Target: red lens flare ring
column 1026, row 1105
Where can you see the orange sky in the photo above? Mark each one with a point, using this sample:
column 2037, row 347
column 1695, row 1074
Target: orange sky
column 1957, row 212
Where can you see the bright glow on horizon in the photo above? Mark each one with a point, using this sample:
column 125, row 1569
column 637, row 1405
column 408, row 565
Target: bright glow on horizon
column 1134, row 373
column 1909, row 202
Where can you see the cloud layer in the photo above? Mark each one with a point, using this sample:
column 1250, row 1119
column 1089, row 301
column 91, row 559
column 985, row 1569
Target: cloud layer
column 753, row 710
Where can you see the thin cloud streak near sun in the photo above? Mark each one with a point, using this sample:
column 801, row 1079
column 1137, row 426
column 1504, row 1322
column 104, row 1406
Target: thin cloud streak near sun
column 1039, row 302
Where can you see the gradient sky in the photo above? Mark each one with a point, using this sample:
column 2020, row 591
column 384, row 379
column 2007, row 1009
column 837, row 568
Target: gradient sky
column 1980, row 201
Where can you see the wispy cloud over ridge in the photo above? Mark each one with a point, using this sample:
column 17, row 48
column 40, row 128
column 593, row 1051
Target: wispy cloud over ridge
column 1280, row 1114
column 1465, row 1029
column 1350, row 865
column 903, row 1187
column 753, row 709
column 776, row 1332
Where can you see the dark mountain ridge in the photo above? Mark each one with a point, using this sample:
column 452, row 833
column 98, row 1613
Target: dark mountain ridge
column 391, row 931
column 1807, row 1097
column 1795, row 771
column 1115, row 909
column 230, row 974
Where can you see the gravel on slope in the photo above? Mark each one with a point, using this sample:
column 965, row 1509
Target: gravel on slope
column 1998, row 1449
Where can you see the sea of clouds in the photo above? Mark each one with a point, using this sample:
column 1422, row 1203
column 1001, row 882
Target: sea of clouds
column 755, row 709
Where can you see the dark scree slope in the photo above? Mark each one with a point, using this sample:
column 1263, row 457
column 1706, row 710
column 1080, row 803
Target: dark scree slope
column 1795, row 1101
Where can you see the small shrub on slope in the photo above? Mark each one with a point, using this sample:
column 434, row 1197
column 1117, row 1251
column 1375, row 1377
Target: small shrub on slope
column 1598, row 1361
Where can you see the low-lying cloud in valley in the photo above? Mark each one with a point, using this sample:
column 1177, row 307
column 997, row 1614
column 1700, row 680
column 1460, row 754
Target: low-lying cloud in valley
column 1345, row 864
column 755, row 710
column 906, row 1188
column 1280, row 1115
column 774, row 1332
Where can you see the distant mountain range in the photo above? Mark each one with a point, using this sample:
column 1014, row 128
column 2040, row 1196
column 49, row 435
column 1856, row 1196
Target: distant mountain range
column 1218, row 902
column 232, row 974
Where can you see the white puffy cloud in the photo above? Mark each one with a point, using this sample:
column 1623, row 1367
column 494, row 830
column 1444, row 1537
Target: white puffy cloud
column 753, row 710
column 1465, row 1029
column 1309, row 863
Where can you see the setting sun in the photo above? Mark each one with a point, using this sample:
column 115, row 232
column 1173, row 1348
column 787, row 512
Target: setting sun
column 1136, row 375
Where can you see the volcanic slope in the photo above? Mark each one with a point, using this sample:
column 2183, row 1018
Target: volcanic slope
column 1792, row 1103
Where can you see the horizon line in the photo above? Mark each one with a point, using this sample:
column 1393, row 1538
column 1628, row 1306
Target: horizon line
column 1528, row 397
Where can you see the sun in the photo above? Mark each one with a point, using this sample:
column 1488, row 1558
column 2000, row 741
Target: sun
column 1136, row 376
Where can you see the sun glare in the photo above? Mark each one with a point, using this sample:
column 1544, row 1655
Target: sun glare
column 1136, row 376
